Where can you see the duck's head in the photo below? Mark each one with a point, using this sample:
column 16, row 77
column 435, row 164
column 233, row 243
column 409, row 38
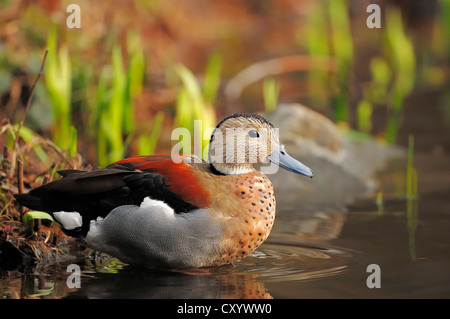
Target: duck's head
column 241, row 140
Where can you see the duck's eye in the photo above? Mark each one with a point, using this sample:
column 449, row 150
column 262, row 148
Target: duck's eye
column 253, row 133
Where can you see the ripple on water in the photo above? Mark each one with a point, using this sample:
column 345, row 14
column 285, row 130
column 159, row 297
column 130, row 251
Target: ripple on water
column 278, row 262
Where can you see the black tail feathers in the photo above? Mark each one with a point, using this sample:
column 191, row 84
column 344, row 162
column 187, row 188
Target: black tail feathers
column 30, row 201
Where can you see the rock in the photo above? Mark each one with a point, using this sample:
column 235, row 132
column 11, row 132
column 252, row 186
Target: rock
column 345, row 168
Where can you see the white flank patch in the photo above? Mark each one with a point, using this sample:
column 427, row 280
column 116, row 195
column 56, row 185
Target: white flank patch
column 148, row 202
column 69, row 220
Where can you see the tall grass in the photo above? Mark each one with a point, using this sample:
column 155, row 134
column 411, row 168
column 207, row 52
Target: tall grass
column 271, row 93
column 134, row 79
column 400, row 50
column 444, row 30
column 328, row 33
column 147, row 142
column 342, row 49
column 111, row 113
column 392, row 77
column 194, row 108
column 117, row 87
column 111, row 110
column 212, row 78
column 316, row 45
column 411, row 198
column 58, row 81
column 375, row 93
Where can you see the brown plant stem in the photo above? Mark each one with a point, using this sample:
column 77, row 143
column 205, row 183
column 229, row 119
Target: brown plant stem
column 20, row 186
column 29, row 101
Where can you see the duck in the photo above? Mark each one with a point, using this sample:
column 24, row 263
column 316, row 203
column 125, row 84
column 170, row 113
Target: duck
column 175, row 211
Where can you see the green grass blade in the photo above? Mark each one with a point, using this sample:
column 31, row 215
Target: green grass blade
column 29, row 136
column 212, row 78
column 342, row 48
column 73, row 141
column 364, row 112
column 271, row 93
column 147, row 144
column 29, row 217
column 411, row 173
column 315, row 37
column 59, row 85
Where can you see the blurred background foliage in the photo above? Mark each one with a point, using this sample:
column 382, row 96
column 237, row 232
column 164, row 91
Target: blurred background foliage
column 117, row 86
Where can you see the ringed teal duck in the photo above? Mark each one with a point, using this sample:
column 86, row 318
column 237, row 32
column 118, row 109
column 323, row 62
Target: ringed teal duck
column 175, row 211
